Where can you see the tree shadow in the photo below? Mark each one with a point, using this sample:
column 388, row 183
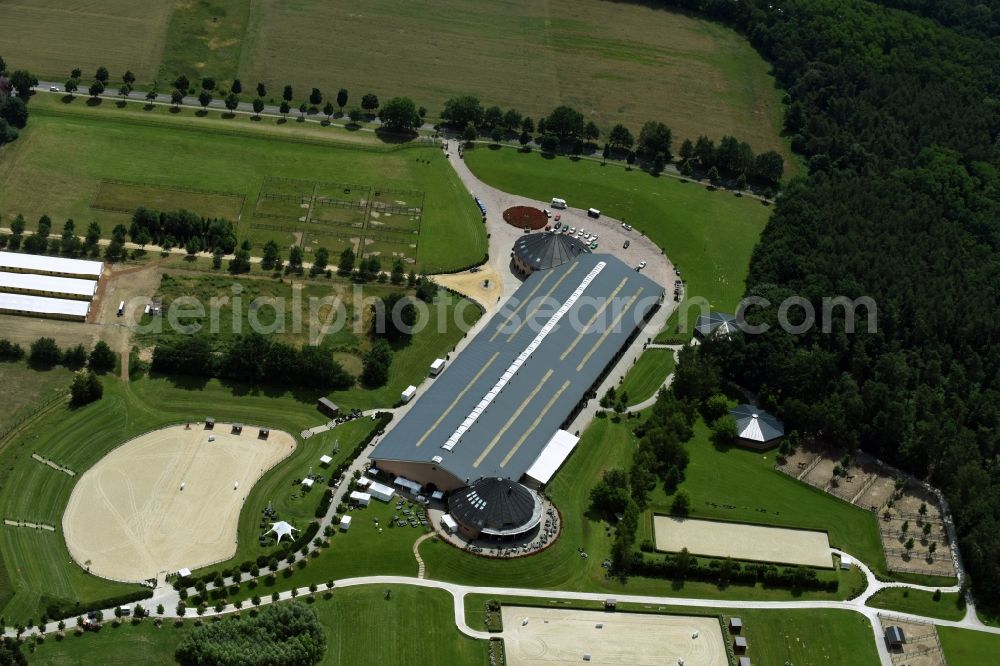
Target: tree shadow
column 94, row 101
column 201, row 113
column 175, row 109
column 494, row 147
column 121, row 104
column 148, row 107
column 67, row 99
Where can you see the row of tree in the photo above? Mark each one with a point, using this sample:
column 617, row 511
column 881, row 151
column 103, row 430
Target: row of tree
column 896, row 114
column 181, row 228
column 15, row 90
column 45, row 354
column 252, row 359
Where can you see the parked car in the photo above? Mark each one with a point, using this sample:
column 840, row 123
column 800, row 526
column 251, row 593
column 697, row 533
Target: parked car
column 642, row 264
column 547, row 212
column 548, row 227
column 593, row 246
column 558, row 216
column 53, row 88
column 625, row 246
column 558, row 224
column 572, row 230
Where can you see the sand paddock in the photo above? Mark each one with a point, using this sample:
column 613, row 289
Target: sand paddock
column 558, row 636
column 742, row 541
column 128, row 519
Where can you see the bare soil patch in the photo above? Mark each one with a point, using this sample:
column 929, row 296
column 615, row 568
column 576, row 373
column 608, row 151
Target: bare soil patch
column 525, row 217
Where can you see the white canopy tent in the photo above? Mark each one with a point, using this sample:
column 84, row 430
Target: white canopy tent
column 325, row 460
column 411, row 486
column 345, row 523
column 381, row 492
column 552, row 456
column 363, row 482
column 307, row 482
column 184, row 573
column 282, row 529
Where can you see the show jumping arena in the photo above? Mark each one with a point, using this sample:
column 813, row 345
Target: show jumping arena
column 560, row 637
column 742, row 541
column 167, row 500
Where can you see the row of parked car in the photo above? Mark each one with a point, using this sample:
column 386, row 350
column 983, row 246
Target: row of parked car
column 482, row 207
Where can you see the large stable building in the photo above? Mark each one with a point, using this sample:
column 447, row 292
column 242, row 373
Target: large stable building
column 497, row 408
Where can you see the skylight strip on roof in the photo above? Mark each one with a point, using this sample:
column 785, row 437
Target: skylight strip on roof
column 519, row 361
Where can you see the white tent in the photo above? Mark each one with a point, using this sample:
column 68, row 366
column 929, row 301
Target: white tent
column 307, row 482
column 552, row 456
column 345, row 523
column 361, row 498
column 325, row 460
column 282, row 529
column 184, row 573
column 381, row 492
column 449, row 523
column 363, row 482
column 412, row 486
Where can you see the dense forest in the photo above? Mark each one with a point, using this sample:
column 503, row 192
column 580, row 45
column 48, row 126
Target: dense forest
column 896, row 107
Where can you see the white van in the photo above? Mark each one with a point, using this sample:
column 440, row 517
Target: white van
column 558, row 203
column 593, row 212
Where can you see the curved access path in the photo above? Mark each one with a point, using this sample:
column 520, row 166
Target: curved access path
column 651, row 400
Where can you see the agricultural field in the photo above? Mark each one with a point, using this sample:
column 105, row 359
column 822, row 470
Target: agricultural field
column 615, row 62
column 24, row 389
column 413, row 625
column 66, row 163
column 54, row 36
column 708, row 235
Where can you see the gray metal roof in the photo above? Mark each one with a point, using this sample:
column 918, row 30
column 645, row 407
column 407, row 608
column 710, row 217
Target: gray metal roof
column 705, row 325
column 755, row 424
column 489, row 503
column 548, row 250
column 498, row 403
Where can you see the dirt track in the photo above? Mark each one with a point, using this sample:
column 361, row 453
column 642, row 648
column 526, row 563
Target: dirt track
column 561, row 637
column 129, row 518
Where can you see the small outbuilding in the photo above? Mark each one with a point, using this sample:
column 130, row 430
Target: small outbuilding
column 437, row 366
column 362, row 499
column 264, row 433
column 449, row 524
column 610, row 604
column 345, row 523
column 363, row 482
column 756, row 428
column 895, row 638
column 325, row 460
column 846, row 562
column 740, row 644
column 743, row 661
column 735, row 625
column 209, row 423
column 327, row 406
column 408, row 393
column 237, row 428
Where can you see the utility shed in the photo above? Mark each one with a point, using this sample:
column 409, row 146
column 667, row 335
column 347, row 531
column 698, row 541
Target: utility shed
column 326, row 405
column 345, row 523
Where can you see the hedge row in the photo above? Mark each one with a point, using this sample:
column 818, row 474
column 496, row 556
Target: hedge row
column 324, row 504
column 63, row 608
column 724, row 572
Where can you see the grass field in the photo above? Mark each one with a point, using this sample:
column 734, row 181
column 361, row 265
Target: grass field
column 646, row 376
column 708, row 235
column 603, row 445
column 61, row 160
column 963, row 647
column 414, row 625
column 55, row 36
column 760, row 494
column 23, row 389
column 919, row 603
column 37, row 563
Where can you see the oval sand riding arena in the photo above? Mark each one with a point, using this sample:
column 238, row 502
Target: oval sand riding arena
column 169, row 499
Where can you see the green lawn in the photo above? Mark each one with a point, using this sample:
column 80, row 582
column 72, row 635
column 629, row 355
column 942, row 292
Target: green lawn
column 603, row 445
column 964, row 647
column 57, row 165
column 919, row 603
column 708, row 235
column 748, row 481
column 414, row 625
column 23, row 389
column 38, row 566
column 809, row 637
column 647, row 375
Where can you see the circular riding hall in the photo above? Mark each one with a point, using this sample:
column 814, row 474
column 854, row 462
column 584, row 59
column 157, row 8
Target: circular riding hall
column 168, row 499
